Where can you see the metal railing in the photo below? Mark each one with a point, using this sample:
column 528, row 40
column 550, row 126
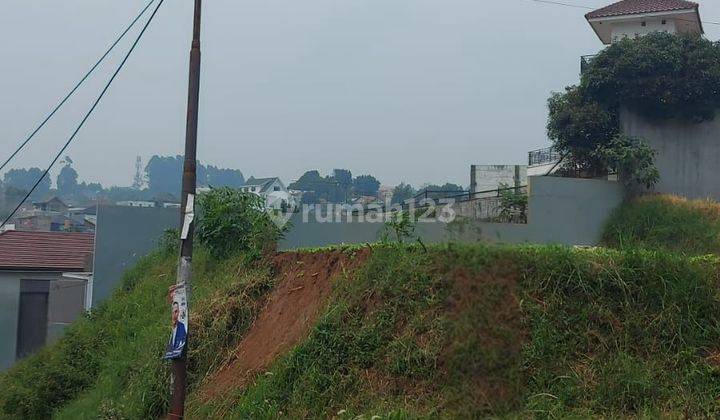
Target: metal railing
column 487, row 206
column 544, row 156
column 586, row 62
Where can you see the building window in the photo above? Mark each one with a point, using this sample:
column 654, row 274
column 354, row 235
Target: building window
column 252, row 189
column 276, row 188
column 644, row 24
column 664, row 22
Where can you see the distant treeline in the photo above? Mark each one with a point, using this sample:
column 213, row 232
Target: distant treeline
column 160, row 180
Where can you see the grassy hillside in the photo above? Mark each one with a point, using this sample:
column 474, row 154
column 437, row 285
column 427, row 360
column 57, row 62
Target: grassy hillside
column 666, row 222
column 454, row 331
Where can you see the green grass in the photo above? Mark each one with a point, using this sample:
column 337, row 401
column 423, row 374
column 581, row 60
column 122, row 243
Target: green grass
column 546, row 332
column 666, row 222
column 454, row 331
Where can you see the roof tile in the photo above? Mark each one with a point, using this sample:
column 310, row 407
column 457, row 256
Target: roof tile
column 634, row 7
column 55, row 251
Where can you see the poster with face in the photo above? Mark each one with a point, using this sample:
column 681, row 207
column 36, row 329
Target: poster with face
column 177, row 297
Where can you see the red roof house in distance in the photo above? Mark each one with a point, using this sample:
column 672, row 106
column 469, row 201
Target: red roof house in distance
column 635, row 18
column 46, row 251
column 45, row 285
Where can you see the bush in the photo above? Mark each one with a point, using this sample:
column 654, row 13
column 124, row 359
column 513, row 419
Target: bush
column 666, row 222
column 232, row 222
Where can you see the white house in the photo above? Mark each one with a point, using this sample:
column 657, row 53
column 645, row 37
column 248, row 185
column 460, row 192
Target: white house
column 146, row 204
column 272, row 190
column 635, row 18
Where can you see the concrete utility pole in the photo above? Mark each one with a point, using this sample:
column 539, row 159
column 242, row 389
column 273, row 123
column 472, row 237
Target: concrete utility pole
column 179, row 366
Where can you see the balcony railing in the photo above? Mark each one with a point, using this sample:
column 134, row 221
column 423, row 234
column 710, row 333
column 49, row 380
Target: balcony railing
column 544, row 156
column 586, row 62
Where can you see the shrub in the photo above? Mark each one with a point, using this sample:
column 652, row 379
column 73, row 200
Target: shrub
column 232, row 222
column 666, row 222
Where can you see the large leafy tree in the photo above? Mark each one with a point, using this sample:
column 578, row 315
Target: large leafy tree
column 366, row 185
column 67, row 178
column 164, row 174
column 24, row 179
column 402, row 192
column 658, row 76
column 318, row 188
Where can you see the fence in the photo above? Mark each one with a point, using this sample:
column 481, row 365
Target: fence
column 544, row 156
column 486, row 206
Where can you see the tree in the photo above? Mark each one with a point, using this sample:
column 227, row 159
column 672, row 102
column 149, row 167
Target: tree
column 658, row 76
column 221, row 177
column 164, row 174
column 343, row 177
column 24, row 179
column 402, row 193
column 441, row 191
column 67, row 179
column 318, row 188
column 366, row 185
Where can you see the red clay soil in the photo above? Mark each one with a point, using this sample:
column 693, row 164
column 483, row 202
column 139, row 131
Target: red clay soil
column 305, row 281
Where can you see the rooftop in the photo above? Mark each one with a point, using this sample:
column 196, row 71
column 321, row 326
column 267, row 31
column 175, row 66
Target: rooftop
column 263, row 183
column 46, row 251
column 635, row 7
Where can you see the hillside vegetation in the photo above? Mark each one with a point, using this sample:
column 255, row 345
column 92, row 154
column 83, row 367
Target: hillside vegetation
column 451, row 331
column 666, row 222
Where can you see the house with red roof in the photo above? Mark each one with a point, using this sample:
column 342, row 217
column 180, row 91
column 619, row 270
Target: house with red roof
column 635, row 18
column 45, row 284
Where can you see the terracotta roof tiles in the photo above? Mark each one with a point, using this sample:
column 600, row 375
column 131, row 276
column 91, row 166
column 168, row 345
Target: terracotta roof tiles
column 46, row 251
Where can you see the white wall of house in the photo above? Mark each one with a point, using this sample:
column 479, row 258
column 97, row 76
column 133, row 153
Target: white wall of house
column 274, row 195
column 635, row 28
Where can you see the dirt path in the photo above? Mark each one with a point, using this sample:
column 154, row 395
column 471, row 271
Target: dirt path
column 305, row 281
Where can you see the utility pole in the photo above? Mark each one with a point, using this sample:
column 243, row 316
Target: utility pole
column 179, row 366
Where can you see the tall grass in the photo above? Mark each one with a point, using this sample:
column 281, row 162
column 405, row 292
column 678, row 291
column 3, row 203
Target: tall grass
column 592, row 333
column 455, row 331
column 666, row 222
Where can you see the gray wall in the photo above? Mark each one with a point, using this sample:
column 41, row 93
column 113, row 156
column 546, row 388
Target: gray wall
column 66, row 303
column 688, row 154
column 9, row 307
column 489, row 177
column 124, row 234
column 564, row 211
column 561, row 210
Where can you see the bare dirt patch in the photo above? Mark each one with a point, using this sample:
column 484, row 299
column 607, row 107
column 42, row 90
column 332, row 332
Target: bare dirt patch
column 305, row 282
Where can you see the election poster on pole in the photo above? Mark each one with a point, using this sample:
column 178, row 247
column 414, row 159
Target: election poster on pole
column 179, row 311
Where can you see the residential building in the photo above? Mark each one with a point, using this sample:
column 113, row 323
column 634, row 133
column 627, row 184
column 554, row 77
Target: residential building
column 687, row 152
column 53, row 205
column 635, row 18
column 146, row 204
column 45, row 284
column 272, row 190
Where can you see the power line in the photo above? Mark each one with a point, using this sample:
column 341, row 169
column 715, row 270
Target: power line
column 89, row 113
column 77, row 86
column 580, row 6
column 557, row 3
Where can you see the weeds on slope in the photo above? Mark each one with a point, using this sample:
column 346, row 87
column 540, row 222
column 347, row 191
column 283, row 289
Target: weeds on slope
column 474, row 331
column 666, row 222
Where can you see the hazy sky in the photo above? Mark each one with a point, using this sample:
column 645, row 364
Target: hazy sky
column 407, row 90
